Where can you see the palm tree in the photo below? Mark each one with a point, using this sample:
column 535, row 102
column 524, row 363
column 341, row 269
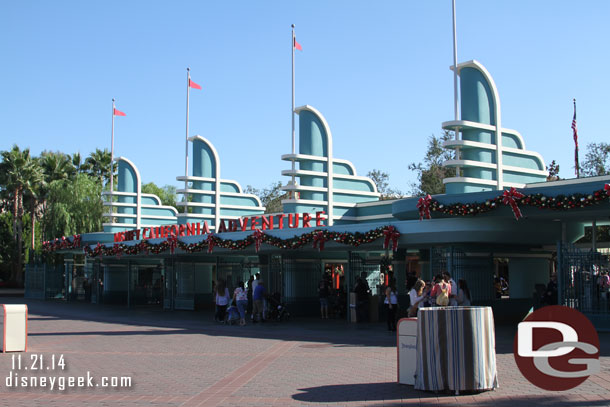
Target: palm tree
column 98, row 165
column 20, row 175
column 77, row 162
column 57, row 166
column 34, row 196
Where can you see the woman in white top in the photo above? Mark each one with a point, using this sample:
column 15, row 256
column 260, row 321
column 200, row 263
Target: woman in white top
column 417, row 295
column 391, row 304
column 463, row 297
column 240, row 296
column 222, row 300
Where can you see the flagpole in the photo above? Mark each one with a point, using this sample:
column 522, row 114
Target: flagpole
column 112, row 160
column 574, row 128
column 292, row 114
column 186, row 163
column 455, row 72
column 455, row 87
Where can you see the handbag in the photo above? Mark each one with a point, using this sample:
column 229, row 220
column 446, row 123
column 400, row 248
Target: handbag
column 412, row 311
column 442, row 299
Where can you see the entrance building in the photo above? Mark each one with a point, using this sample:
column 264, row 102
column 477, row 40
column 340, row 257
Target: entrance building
column 501, row 227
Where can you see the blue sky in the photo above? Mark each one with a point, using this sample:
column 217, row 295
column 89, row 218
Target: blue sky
column 378, row 71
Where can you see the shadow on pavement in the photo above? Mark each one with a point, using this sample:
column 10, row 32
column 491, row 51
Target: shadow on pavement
column 338, row 332
column 393, row 394
column 344, row 393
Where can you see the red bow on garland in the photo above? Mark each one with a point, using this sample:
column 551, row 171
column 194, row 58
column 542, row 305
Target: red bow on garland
column 99, row 249
column 172, row 240
column 211, row 242
column 607, row 189
column 117, row 250
column 318, row 241
column 424, row 207
column 258, row 239
column 391, row 233
column 510, row 198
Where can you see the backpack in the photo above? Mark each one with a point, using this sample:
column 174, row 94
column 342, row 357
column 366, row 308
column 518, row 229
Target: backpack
column 442, row 299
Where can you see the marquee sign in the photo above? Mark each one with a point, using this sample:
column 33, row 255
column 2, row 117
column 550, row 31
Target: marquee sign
column 262, row 222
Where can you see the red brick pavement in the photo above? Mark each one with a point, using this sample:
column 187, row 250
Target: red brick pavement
column 184, row 359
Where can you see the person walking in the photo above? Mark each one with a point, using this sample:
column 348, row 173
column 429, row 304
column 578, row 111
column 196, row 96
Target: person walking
column 463, row 296
column 257, row 276
column 222, row 300
column 258, row 296
column 441, row 291
column 417, row 295
column 323, row 293
column 249, row 295
column 454, row 289
column 391, row 304
column 241, row 299
column 362, row 291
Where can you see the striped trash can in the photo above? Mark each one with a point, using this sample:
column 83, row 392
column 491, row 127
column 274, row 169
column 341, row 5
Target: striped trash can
column 456, row 349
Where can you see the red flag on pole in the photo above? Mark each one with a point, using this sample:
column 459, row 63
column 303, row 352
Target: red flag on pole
column 117, row 112
column 193, row 85
column 297, row 45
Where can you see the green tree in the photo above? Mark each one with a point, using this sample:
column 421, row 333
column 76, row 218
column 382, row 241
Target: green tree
column 381, row 180
column 73, row 207
column 77, row 162
column 430, row 173
column 553, row 169
column 20, row 176
column 7, row 246
column 56, row 166
column 167, row 193
column 271, row 197
column 33, row 199
column 98, row 165
column 597, row 160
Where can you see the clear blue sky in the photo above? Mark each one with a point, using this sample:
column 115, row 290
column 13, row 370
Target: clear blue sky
column 378, row 71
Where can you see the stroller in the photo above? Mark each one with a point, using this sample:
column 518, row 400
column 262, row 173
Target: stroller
column 232, row 315
column 276, row 309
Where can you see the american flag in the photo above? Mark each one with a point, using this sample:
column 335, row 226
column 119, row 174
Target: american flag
column 575, row 131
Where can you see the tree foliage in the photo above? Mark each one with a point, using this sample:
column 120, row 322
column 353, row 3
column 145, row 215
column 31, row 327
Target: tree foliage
column 597, row 160
column 430, row 173
column 57, row 166
column 382, row 182
column 73, row 207
column 59, row 189
column 7, row 246
column 553, row 169
column 167, row 193
column 98, row 165
column 21, row 179
column 271, row 197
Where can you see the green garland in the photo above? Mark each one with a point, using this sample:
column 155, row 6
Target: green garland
column 559, row 202
column 296, row 242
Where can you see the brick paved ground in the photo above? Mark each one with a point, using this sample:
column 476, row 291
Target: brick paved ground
column 184, row 359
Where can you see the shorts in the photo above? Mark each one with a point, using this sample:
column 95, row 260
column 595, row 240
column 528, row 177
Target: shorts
column 324, row 302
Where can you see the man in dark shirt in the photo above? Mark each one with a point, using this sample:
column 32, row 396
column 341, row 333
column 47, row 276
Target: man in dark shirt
column 362, row 299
